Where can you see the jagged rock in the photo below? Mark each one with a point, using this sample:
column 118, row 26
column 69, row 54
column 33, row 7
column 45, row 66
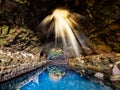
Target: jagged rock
column 116, row 70
column 99, row 67
column 99, row 75
column 17, row 62
column 102, row 26
column 19, row 38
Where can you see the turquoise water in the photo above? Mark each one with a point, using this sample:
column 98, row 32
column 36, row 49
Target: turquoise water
column 71, row 81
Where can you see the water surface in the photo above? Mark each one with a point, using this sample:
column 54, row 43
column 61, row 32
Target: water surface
column 71, row 81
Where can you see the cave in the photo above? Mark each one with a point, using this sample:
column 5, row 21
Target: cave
column 73, row 37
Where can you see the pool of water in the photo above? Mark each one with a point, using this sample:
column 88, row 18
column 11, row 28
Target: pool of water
column 70, row 81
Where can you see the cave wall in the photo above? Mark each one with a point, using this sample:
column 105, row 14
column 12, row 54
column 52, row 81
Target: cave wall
column 101, row 24
column 103, row 27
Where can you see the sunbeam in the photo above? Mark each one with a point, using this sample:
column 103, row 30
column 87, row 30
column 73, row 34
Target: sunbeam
column 63, row 24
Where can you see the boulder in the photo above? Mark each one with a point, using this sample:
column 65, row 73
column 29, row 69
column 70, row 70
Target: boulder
column 99, row 75
column 115, row 70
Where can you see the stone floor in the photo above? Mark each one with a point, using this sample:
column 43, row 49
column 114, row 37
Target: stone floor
column 14, row 63
column 103, row 67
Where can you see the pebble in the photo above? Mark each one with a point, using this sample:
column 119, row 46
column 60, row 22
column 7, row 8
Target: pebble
column 99, row 75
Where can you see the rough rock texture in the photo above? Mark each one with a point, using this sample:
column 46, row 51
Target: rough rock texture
column 17, row 82
column 116, row 70
column 19, row 38
column 20, row 19
column 98, row 66
column 103, row 27
column 16, row 63
column 19, row 51
column 100, row 24
column 99, row 75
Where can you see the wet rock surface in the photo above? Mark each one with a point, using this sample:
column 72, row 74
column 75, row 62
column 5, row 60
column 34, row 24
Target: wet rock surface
column 14, row 63
column 104, row 67
column 19, row 38
column 19, row 51
column 99, row 75
column 102, row 28
column 17, row 82
column 100, row 22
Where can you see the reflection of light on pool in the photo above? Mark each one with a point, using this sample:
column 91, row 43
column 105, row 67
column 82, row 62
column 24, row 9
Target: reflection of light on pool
column 54, row 77
column 55, row 72
column 71, row 81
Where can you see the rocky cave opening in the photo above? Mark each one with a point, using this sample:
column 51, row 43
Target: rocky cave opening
column 26, row 39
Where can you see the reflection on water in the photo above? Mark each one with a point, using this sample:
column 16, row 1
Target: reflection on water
column 55, row 72
column 16, row 83
column 70, row 81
